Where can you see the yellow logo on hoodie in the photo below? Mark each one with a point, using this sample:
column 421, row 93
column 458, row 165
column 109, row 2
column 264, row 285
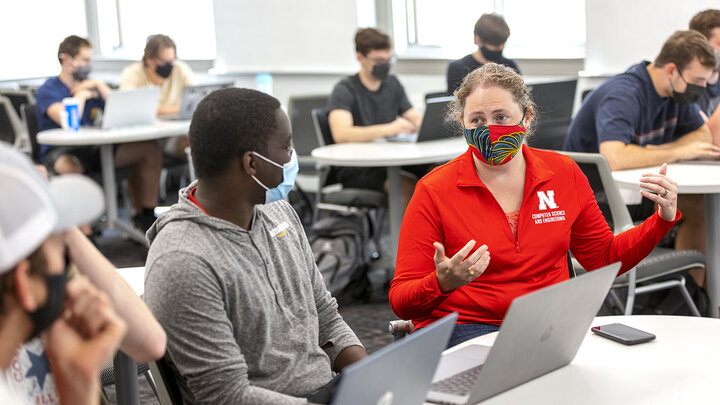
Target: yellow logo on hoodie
column 280, row 230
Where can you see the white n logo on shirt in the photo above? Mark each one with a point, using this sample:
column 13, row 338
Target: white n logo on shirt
column 547, row 200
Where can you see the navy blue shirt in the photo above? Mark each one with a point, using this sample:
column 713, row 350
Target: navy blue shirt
column 627, row 108
column 53, row 91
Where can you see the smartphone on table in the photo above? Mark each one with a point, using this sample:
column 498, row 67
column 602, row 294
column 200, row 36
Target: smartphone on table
column 622, row 333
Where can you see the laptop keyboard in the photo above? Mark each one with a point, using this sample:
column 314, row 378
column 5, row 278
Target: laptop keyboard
column 458, row 384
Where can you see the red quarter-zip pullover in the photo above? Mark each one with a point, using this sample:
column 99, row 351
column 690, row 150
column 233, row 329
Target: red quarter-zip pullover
column 558, row 213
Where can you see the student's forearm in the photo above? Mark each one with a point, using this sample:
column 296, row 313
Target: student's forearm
column 701, row 134
column 634, row 156
column 145, row 340
column 714, row 125
column 362, row 134
column 348, row 356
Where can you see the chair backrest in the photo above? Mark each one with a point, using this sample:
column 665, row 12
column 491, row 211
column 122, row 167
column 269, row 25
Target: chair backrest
column 607, row 194
column 436, row 94
column 554, row 102
column 301, row 120
column 8, row 125
column 168, row 390
column 29, row 117
column 322, row 126
column 18, row 98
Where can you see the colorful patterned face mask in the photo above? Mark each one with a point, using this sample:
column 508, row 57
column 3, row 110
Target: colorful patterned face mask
column 495, row 144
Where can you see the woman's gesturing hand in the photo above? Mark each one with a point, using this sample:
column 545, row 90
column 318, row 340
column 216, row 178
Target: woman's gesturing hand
column 662, row 190
column 460, row 269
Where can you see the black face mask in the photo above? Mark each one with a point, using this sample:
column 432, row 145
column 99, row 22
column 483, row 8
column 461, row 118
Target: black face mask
column 164, row 70
column 381, row 71
column 81, row 73
column 692, row 93
column 492, row 56
column 49, row 312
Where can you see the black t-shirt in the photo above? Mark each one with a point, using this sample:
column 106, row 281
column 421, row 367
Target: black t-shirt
column 457, row 70
column 370, row 107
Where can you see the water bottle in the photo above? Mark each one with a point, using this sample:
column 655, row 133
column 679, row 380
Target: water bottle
column 70, row 116
column 264, row 83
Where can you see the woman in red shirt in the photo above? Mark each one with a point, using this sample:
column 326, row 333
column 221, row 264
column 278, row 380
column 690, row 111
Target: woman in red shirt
column 497, row 222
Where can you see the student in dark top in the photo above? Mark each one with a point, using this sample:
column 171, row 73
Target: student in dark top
column 370, row 105
column 491, row 33
column 707, row 22
column 75, row 57
column 647, row 116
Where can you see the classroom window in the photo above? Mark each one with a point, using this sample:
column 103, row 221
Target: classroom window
column 432, row 29
column 124, row 25
column 30, row 38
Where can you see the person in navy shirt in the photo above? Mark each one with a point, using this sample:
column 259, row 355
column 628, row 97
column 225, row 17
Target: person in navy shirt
column 707, row 22
column 145, row 158
column 648, row 116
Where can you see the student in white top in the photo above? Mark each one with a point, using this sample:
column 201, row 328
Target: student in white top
column 160, row 67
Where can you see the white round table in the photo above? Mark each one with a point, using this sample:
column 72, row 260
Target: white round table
column 105, row 138
column 392, row 155
column 693, row 178
column 681, row 366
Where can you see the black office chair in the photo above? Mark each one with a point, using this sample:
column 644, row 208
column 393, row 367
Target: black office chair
column 436, row 94
column 304, row 141
column 347, row 199
column 18, row 98
column 168, row 391
column 303, row 129
column 664, row 268
column 554, row 101
column 29, row 117
column 11, row 128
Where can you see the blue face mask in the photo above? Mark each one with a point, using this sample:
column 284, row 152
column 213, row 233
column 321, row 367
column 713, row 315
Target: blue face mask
column 290, row 171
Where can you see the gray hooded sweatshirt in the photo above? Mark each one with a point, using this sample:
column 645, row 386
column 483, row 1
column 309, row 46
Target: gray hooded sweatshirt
column 246, row 312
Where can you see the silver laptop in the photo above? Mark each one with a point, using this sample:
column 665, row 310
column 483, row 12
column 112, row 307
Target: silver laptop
column 191, row 97
column 542, row 331
column 435, row 124
column 129, row 108
column 399, row 373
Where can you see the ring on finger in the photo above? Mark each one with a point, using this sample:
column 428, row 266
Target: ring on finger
column 471, row 272
column 665, row 193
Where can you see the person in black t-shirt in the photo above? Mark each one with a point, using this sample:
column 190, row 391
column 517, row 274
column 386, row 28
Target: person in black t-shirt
column 491, row 33
column 370, row 105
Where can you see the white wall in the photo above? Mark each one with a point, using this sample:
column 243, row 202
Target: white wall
column 621, row 33
column 285, row 36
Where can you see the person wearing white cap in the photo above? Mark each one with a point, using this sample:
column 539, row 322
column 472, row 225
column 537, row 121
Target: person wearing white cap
column 80, row 329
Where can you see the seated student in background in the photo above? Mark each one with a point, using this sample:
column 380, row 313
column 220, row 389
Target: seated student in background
column 230, row 274
column 477, row 232
column 491, row 33
column 75, row 56
column 370, row 105
column 79, row 326
column 160, row 67
column 647, row 116
column 708, row 23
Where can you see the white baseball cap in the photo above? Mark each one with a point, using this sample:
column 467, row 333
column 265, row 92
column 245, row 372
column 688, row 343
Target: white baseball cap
column 31, row 208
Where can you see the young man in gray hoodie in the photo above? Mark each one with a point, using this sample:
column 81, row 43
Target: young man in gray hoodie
column 230, row 274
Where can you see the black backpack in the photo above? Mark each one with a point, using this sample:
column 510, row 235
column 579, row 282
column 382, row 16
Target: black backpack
column 339, row 243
